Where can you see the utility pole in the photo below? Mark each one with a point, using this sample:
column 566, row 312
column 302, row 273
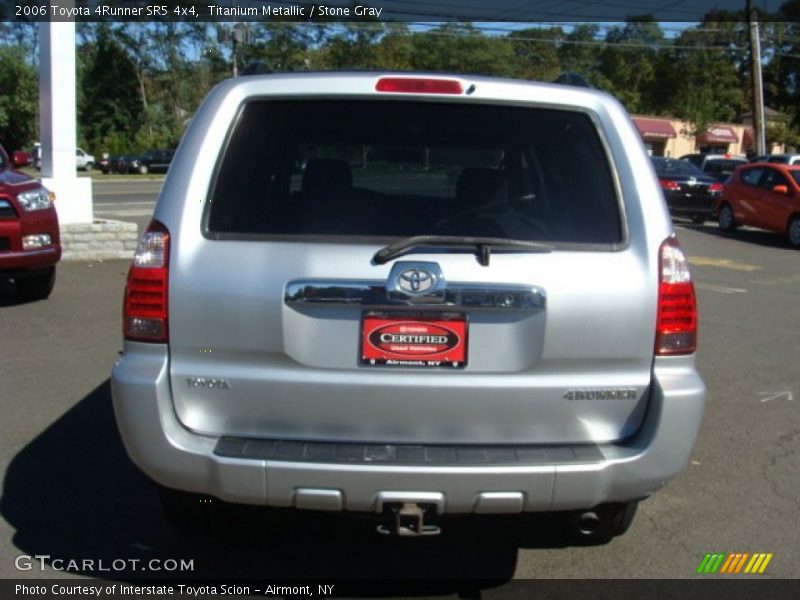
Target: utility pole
column 237, row 35
column 758, row 86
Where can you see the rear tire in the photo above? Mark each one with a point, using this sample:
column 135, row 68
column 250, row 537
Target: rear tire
column 37, row 287
column 793, row 232
column 727, row 223
column 601, row 524
column 189, row 512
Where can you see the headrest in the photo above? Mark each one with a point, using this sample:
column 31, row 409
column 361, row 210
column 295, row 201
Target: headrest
column 478, row 186
column 323, row 176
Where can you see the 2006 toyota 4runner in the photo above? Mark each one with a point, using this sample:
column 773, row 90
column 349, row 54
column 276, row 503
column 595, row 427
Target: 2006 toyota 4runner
column 410, row 295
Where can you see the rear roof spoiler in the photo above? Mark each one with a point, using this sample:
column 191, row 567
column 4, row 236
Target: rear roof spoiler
column 569, row 78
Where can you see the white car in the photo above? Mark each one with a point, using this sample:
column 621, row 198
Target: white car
column 784, row 159
column 83, row 160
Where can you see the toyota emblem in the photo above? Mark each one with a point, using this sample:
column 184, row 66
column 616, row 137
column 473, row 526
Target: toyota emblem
column 416, row 281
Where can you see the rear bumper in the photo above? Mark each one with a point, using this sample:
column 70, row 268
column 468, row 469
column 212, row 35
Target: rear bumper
column 680, row 204
column 176, row 457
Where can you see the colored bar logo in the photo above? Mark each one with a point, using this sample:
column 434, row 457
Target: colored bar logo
column 734, row 563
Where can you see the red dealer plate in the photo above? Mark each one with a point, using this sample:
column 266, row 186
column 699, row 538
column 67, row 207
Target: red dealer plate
column 414, row 341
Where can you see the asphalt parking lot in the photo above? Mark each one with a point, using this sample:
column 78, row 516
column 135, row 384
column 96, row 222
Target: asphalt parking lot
column 69, row 491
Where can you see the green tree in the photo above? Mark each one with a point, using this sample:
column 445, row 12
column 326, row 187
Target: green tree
column 629, row 62
column 112, row 111
column 536, row 53
column 459, row 47
column 782, row 72
column 353, row 48
column 579, row 54
column 395, row 49
column 704, row 79
column 18, row 101
column 24, row 36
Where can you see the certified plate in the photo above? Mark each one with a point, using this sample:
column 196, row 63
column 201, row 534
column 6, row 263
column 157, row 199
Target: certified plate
column 414, row 341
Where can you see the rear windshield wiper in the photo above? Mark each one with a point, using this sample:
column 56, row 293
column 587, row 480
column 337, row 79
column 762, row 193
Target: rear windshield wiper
column 482, row 245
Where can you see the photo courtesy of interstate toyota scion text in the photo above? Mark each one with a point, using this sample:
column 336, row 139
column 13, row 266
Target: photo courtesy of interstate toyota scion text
column 412, row 296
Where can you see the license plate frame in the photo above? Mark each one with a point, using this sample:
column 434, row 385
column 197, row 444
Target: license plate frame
column 434, row 340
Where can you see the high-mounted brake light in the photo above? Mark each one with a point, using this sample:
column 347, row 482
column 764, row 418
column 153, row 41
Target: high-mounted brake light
column 676, row 324
column 669, row 185
column 144, row 311
column 418, row 85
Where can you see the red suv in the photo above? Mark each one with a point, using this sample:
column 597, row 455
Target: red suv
column 764, row 195
column 29, row 238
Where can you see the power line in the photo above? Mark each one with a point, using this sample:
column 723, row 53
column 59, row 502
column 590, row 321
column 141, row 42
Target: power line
column 561, row 40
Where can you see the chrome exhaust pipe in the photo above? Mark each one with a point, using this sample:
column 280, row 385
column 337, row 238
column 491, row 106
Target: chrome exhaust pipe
column 588, row 523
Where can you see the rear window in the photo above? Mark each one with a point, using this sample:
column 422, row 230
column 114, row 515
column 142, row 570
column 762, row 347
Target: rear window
column 723, row 165
column 666, row 167
column 378, row 169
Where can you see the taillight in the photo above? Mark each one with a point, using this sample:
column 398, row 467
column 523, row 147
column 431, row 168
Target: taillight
column 715, row 188
column 144, row 311
column 676, row 324
column 418, row 85
column 672, row 186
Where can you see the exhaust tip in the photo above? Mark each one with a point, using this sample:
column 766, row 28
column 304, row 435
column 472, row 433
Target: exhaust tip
column 588, row 523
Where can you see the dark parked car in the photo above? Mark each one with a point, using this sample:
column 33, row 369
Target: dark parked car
column 108, row 165
column 688, row 191
column 29, row 237
column 719, row 166
column 152, row 161
column 122, row 163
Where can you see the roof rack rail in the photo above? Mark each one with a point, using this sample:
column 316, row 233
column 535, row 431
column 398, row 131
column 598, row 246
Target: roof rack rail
column 257, row 67
column 569, row 78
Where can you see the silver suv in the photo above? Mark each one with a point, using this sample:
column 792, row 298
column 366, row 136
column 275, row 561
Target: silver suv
column 413, row 296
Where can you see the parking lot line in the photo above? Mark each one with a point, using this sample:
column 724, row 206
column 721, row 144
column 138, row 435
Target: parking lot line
column 723, row 263
column 719, row 288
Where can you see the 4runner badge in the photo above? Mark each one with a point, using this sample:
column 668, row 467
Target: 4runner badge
column 601, row 394
column 207, row 383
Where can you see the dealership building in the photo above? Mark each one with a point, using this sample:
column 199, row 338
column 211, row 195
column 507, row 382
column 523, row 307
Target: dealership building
column 668, row 137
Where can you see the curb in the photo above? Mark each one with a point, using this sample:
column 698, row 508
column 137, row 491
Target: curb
column 103, row 239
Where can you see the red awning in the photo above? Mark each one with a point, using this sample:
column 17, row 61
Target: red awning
column 748, row 137
column 657, row 129
column 719, row 134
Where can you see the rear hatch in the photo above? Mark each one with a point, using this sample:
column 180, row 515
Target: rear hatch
column 524, row 316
